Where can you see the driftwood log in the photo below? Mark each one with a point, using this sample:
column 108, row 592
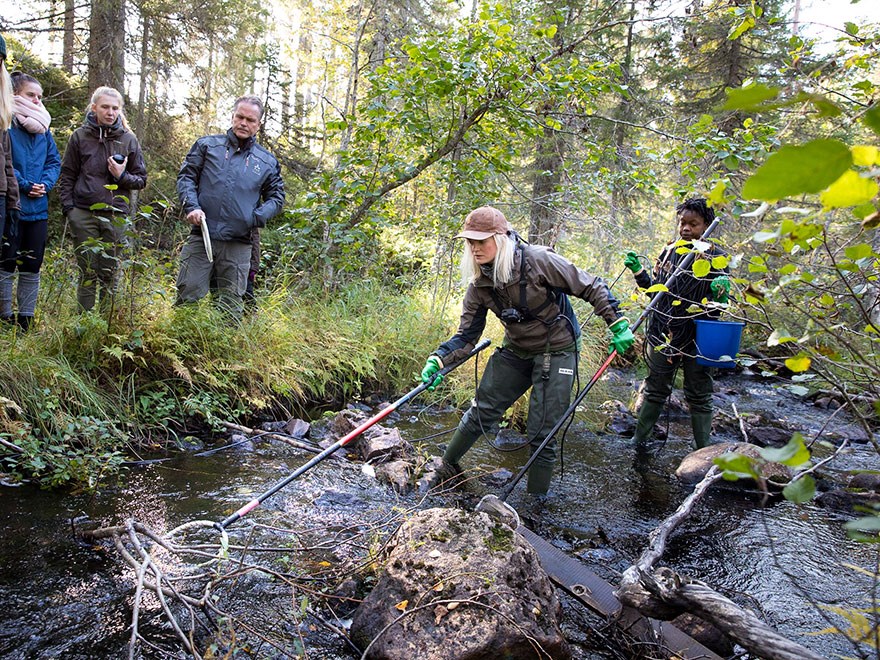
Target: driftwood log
column 293, row 441
column 664, row 594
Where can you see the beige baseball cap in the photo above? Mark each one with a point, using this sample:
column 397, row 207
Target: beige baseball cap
column 482, row 223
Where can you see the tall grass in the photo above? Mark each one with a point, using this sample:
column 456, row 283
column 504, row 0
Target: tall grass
column 149, row 372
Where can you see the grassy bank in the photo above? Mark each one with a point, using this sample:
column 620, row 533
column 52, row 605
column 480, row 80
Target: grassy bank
column 79, row 391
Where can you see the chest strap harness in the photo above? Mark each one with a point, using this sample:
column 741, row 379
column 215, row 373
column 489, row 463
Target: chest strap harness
column 522, row 312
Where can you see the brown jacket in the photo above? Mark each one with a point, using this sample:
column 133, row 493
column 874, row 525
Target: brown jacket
column 8, row 182
column 549, row 279
column 84, row 173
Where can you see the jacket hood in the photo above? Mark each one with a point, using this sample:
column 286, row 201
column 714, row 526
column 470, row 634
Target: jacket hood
column 91, row 121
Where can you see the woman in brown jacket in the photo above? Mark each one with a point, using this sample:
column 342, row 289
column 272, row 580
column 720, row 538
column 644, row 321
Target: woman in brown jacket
column 103, row 163
column 9, row 204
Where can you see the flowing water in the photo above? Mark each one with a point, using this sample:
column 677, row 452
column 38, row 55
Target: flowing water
column 60, row 598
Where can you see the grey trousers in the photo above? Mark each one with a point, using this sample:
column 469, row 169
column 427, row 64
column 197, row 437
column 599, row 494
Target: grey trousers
column 99, row 242
column 506, row 378
column 230, row 270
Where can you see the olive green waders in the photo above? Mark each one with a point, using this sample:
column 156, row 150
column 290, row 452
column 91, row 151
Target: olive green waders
column 698, row 386
column 507, row 377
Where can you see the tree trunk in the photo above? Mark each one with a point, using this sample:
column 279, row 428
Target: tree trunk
column 107, row 44
column 145, row 74
column 544, row 220
column 68, row 43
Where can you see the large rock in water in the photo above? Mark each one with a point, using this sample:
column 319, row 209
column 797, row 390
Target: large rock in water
column 695, row 465
column 460, row 586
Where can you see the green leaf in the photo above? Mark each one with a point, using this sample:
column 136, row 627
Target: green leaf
column 793, row 454
column 850, row 189
column 860, row 251
column 872, row 118
column 749, row 98
column 737, row 31
column 736, row 466
column 796, row 170
column 866, row 524
column 716, row 195
column 801, row 490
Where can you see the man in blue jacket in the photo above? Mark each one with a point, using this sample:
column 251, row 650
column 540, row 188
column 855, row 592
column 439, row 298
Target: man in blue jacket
column 232, row 185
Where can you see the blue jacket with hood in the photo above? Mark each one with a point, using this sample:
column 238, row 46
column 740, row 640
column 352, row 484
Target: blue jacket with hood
column 35, row 159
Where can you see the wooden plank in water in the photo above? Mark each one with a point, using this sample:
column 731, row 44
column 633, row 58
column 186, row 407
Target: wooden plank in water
column 594, row 592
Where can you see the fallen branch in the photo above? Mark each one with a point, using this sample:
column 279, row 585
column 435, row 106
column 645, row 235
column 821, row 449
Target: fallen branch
column 664, row 594
column 299, row 443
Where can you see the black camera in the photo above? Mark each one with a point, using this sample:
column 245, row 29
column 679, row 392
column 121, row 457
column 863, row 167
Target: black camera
column 512, row 315
column 119, row 158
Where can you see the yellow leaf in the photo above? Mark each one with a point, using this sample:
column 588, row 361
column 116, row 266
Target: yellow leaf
column 864, row 155
column 402, row 605
column 656, row 288
column 325, row 564
column 850, row 189
column 720, row 262
column 438, row 586
column 798, row 363
column 701, row 268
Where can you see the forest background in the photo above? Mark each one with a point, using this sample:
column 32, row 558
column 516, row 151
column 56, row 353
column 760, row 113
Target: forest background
column 585, row 122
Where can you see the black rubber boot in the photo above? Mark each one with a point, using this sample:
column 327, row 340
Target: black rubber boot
column 701, row 423
column 649, row 413
column 540, row 476
column 24, row 322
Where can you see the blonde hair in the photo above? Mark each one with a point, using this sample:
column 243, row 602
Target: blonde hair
column 6, row 103
column 502, row 265
column 109, row 91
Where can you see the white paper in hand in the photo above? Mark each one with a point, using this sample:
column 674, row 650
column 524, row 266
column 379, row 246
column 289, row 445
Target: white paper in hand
column 206, row 237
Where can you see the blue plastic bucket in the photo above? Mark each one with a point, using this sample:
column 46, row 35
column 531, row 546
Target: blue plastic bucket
column 718, row 342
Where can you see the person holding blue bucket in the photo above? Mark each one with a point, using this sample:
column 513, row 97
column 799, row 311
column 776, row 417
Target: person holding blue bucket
column 671, row 331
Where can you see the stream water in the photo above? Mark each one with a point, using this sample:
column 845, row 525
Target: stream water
column 60, row 598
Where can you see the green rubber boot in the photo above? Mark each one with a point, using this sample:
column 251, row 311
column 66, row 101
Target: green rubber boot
column 649, row 413
column 540, row 475
column 458, row 447
column 701, row 423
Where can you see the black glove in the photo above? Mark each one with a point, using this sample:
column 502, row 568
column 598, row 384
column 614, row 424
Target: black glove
column 10, row 231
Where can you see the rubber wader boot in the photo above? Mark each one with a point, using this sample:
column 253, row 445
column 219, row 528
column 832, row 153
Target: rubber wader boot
column 701, row 423
column 457, row 447
column 539, row 478
column 649, row 413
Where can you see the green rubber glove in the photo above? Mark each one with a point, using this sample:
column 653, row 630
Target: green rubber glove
column 621, row 336
column 720, row 288
column 632, row 262
column 432, row 366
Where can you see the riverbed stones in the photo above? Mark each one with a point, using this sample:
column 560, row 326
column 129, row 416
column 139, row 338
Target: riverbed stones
column 459, row 585
column 695, row 465
column 375, row 444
